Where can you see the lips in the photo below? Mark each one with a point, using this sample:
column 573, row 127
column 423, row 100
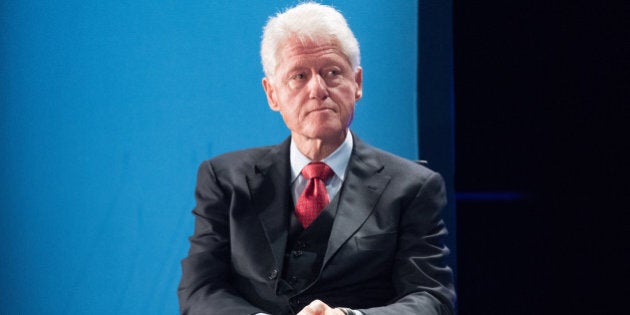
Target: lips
column 322, row 109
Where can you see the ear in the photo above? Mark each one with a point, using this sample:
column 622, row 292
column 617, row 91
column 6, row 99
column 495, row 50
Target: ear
column 271, row 94
column 358, row 79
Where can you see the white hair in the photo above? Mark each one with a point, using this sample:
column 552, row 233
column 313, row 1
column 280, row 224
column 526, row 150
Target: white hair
column 308, row 21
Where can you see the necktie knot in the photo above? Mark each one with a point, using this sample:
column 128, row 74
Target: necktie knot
column 317, row 170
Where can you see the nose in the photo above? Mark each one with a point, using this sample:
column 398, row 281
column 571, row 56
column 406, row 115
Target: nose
column 317, row 87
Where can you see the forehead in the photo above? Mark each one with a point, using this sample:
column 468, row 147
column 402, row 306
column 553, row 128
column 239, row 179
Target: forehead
column 295, row 53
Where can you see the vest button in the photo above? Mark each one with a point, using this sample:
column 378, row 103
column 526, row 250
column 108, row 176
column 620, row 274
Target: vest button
column 273, row 274
column 293, row 280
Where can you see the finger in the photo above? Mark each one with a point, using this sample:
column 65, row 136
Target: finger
column 316, row 307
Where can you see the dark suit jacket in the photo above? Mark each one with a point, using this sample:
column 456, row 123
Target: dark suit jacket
column 385, row 253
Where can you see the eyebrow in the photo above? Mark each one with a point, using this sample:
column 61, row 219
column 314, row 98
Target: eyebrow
column 323, row 63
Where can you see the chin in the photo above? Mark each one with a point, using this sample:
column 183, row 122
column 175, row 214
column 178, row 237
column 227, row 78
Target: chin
column 329, row 133
column 326, row 129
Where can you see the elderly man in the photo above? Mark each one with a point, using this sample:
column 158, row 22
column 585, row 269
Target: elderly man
column 321, row 223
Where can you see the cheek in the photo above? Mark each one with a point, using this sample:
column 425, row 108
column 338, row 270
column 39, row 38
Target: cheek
column 346, row 99
column 292, row 103
column 290, row 110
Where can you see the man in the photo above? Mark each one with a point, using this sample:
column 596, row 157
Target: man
column 321, row 223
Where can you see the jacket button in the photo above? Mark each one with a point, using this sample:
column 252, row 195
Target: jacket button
column 273, row 274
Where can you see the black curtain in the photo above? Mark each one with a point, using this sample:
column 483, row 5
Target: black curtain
column 540, row 114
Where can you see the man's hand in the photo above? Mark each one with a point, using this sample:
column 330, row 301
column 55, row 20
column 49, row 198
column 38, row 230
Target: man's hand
column 318, row 307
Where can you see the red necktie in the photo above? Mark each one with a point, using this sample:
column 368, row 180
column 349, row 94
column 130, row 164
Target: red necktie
column 314, row 198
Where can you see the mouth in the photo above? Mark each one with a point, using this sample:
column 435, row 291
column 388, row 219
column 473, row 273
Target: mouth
column 323, row 109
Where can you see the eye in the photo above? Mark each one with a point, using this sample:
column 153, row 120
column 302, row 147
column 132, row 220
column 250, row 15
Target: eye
column 298, row 76
column 333, row 72
column 297, row 80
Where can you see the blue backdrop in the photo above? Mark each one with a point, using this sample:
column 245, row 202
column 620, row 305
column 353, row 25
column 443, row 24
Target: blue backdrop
column 108, row 107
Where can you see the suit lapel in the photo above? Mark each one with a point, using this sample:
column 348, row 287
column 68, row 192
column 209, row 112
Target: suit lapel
column 363, row 186
column 271, row 197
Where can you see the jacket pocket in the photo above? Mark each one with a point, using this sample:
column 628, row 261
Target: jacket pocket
column 377, row 241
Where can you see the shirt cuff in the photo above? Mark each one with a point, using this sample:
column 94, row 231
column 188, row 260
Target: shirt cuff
column 349, row 311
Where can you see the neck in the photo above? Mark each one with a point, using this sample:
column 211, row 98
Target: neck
column 317, row 149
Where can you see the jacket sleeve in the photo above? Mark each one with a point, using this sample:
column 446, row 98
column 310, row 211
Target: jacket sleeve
column 422, row 281
column 206, row 273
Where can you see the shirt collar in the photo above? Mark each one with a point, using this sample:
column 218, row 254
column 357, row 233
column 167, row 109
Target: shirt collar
column 337, row 161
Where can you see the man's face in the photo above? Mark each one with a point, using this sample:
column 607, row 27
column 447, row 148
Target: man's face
column 314, row 88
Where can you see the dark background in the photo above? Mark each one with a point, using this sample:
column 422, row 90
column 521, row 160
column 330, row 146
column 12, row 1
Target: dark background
column 539, row 109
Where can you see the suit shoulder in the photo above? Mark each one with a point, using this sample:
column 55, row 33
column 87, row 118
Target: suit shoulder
column 235, row 160
column 400, row 166
column 241, row 155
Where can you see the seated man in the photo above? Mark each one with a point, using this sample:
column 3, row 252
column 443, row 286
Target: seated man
column 322, row 223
